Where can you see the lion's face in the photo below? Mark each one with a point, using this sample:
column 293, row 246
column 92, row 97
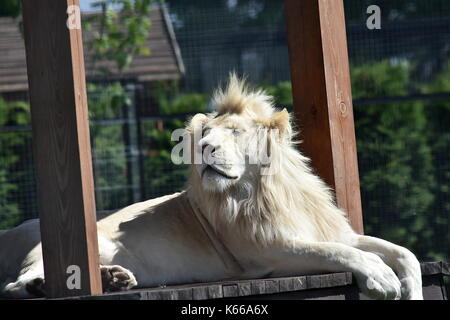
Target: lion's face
column 224, row 146
column 235, row 141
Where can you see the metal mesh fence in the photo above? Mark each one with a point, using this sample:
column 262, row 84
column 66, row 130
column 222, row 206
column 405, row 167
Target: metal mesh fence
column 17, row 186
column 123, row 175
column 401, row 91
column 216, row 37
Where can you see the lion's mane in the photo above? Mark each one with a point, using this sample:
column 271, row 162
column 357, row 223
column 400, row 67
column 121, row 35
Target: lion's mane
column 292, row 203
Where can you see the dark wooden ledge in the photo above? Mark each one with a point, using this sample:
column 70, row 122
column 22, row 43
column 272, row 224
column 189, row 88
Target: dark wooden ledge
column 335, row 286
column 435, row 268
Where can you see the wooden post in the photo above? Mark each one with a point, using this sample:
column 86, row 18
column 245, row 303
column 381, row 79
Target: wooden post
column 322, row 97
column 62, row 150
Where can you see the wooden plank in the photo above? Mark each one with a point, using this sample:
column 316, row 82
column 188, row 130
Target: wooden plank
column 322, row 286
column 431, row 268
column 244, row 288
column 185, row 294
column 272, row 286
column 258, row 287
column 322, row 97
column 230, row 290
column 299, row 283
column 171, row 35
column 13, row 87
column 446, row 268
column 286, row 284
column 327, row 280
column 61, row 144
column 19, row 74
column 215, row 291
column 433, row 287
column 200, row 293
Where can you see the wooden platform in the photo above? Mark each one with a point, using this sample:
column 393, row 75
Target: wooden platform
column 336, row 286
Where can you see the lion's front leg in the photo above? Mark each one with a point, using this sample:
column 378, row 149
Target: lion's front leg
column 400, row 259
column 376, row 279
column 117, row 278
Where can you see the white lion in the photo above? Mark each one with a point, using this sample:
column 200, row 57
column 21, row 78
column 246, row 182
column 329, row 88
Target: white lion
column 232, row 222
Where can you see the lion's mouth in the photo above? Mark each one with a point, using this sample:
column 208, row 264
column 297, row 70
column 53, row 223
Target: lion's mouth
column 218, row 171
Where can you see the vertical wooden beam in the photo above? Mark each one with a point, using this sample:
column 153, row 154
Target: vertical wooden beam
column 61, row 144
column 322, row 96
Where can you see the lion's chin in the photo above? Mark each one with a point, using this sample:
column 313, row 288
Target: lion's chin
column 216, row 181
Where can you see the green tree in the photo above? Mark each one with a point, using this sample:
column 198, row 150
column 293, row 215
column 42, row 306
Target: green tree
column 122, row 32
column 123, row 26
column 395, row 158
column 438, row 113
column 162, row 176
column 106, row 102
column 282, row 93
column 12, row 145
column 10, row 8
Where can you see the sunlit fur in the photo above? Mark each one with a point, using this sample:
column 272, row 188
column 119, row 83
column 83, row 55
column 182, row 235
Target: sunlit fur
column 292, row 203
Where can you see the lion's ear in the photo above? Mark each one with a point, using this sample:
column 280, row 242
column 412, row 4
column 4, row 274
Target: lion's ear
column 279, row 120
column 197, row 122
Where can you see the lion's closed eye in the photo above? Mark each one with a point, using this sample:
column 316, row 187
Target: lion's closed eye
column 236, row 131
column 205, row 131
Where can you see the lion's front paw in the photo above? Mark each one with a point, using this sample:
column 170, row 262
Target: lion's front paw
column 117, row 278
column 411, row 289
column 408, row 269
column 376, row 279
column 35, row 287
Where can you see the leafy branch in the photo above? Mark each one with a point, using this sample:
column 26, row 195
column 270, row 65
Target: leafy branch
column 123, row 28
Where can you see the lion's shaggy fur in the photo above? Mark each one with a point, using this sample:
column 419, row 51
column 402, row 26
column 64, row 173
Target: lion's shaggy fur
column 293, row 203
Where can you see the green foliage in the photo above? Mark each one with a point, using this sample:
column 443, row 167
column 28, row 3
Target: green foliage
column 380, row 79
column 108, row 101
column 10, row 8
column 121, row 36
column 14, row 113
column 122, row 33
column 185, row 103
column 9, row 210
column 171, row 102
column 161, row 175
column 282, row 93
column 395, row 159
column 438, row 112
column 12, row 145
